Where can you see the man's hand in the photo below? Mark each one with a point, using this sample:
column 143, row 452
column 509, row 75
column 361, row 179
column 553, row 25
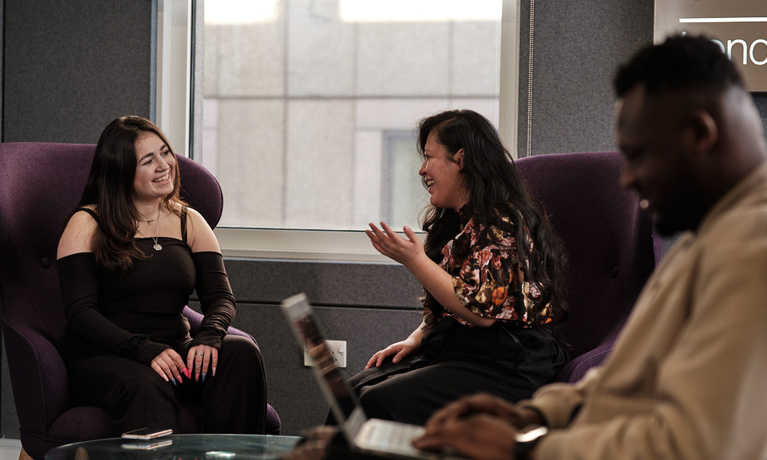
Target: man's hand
column 483, row 403
column 310, row 450
column 314, row 446
column 480, row 436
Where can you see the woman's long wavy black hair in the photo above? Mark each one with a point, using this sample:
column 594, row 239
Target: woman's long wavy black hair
column 495, row 190
column 110, row 189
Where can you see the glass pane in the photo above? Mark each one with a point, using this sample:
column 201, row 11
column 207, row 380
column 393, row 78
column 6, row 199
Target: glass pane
column 310, row 106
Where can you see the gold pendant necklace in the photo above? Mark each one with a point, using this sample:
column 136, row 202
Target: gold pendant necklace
column 157, row 246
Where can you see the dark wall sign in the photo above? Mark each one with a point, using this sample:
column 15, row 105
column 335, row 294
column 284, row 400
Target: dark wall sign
column 739, row 27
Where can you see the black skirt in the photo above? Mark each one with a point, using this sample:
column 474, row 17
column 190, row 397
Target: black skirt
column 456, row 360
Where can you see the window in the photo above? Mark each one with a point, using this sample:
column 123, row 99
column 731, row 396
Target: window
column 402, row 199
column 309, row 107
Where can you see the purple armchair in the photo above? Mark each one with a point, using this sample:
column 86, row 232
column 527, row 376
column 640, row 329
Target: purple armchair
column 39, row 185
column 609, row 243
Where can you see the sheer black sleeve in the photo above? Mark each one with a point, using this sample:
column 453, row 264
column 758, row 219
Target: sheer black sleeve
column 216, row 298
column 78, row 279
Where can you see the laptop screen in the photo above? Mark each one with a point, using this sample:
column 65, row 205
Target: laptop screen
column 343, row 400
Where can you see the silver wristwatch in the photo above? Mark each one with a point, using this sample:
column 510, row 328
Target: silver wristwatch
column 526, row 442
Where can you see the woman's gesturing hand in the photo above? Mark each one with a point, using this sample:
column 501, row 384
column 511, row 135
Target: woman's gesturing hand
column 170, row 366
column 393, row 246
column 201, row 359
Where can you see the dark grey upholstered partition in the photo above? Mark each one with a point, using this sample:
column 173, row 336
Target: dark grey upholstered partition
column 71, row 67
column 577, row 45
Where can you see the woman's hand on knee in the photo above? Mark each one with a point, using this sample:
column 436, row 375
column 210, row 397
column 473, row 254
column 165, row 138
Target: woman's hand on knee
column 397, row 352
column 202, row 359
column 170, row 366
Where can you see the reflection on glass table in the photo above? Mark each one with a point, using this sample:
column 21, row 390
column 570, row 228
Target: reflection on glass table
column 181, row 447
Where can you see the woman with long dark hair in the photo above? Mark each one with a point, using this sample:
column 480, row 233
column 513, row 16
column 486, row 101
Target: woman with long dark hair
column 491, row 269
column 129, row 258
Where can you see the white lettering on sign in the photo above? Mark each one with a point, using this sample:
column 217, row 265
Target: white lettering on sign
column 746, row 50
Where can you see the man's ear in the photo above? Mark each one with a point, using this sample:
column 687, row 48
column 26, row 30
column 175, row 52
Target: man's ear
column 458, row 157
column 704, row 131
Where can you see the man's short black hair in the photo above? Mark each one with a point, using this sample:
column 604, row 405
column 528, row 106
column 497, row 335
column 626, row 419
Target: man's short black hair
column 680, row 63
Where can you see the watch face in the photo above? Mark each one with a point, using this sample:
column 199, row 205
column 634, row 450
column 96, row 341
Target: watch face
column 532, row 435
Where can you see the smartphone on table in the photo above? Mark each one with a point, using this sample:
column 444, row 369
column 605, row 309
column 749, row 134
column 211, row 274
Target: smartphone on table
column 147, row 444
column 146, row 433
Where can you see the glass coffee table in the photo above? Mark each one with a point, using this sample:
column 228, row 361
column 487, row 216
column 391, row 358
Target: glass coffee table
column 181, row 447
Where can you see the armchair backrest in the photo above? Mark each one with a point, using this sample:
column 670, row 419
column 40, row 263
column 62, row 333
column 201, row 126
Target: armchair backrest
column 608, row 240
column 39, row 186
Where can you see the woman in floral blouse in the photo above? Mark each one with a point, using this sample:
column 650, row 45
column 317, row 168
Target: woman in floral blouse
column 491, row 271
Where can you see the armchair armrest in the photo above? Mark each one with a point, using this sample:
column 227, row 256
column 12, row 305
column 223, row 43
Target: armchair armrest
column 195, row 319
column 45, row 392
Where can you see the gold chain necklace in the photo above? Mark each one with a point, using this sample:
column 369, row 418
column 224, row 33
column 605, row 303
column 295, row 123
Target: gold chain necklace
column 157, row 246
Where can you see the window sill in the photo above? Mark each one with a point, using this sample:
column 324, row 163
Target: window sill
column 319, row 245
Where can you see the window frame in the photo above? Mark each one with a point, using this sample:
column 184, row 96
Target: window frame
column 178, row 102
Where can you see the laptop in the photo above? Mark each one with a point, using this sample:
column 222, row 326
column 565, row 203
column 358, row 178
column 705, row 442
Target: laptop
column 372, row 436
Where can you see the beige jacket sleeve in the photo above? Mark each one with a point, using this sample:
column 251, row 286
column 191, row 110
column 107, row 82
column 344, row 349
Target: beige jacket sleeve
column 708, row 400
column 559, row 402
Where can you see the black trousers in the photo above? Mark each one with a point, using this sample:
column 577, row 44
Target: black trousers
column 233, row 401
column 455, row 361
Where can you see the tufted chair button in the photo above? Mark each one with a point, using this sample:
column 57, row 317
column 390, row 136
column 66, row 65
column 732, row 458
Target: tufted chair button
column 614, row 272
column 45, row 263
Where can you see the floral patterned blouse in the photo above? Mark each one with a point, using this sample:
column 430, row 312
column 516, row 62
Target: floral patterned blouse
column 489, row 279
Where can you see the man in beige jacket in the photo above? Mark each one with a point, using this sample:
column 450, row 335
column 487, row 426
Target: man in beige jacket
column 687, row 379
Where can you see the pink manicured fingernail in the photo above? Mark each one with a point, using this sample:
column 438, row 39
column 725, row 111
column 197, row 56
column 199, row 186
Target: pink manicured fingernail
column 196, row 377
column 214, row 372
column 188, row 373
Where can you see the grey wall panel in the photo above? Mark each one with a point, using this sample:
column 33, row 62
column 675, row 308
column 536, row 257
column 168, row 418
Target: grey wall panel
column 578, row 45
column 71, row 67
column 761, row 104
column 326, row 283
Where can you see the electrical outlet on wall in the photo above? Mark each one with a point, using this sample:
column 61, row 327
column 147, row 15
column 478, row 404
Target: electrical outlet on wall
column 337, row 351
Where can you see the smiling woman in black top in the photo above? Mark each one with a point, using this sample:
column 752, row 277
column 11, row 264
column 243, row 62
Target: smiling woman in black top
column 129, row 258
